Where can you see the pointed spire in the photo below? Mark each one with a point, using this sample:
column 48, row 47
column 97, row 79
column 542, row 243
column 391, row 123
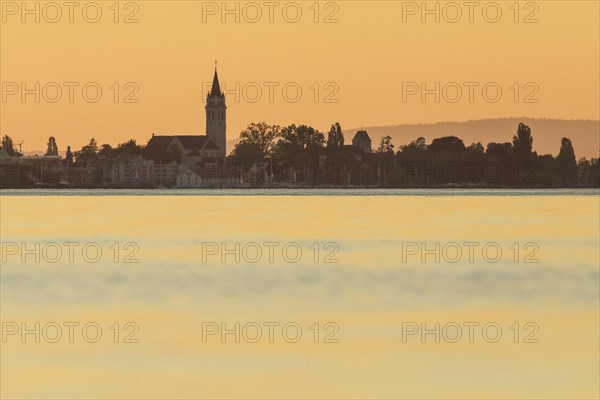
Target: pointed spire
column 216, row 87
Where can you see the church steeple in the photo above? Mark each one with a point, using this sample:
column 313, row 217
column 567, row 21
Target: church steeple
column 216, row 114
column 216, row 87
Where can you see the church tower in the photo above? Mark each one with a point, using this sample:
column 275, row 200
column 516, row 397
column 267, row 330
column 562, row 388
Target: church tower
column 215, row 115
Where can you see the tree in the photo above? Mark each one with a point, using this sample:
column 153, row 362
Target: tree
column 130, row 147
column 339, row 134
column 7, row 145
column 522, row 144
column 566, row 162
column 106, row 150
column 87, row 152
column 296, row 139
column 590, row 172
column 475, row 148
column 245, row 154
column 499, row 163
column 69, row 155
column 52, row 147
column 385, row 146
column 262, row 135
column 410, row 160
column 335, row 137
column 416, row 146
column 447, row 144
column 473, row 163
column 545, row 171
column 331, row 137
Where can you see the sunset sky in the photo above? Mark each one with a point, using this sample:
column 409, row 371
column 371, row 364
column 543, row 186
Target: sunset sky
column 362, row 61
column 486, row 262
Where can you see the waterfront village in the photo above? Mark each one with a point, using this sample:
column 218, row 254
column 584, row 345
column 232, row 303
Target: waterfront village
column 293, row 156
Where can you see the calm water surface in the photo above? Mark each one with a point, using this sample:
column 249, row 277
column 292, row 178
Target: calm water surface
column 385, row 257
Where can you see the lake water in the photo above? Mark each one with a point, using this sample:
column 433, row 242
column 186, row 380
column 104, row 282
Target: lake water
column 338, row 293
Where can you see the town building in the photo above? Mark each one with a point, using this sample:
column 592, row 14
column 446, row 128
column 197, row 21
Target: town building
column 362, row 141
column 216, row 116
column 189, row 179
column 203, row 155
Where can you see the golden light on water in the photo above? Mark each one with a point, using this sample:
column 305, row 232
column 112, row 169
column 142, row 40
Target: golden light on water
column 171, row 294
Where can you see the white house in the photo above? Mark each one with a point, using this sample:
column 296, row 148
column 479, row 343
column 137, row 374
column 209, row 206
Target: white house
column 189, row 179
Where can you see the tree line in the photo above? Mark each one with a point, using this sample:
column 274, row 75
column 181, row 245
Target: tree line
column 319, row 158
column 446, row 160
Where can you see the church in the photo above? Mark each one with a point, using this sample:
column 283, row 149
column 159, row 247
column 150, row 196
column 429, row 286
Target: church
column 196, row 150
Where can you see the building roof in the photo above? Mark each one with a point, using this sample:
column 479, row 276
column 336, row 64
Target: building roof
column 216, row 87
column 189, row 142
column 193, row 142
column 158, row 144
column 211, row 145
column 361, row 135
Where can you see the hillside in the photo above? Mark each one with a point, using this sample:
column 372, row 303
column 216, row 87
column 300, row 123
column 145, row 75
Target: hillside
column 547, row 133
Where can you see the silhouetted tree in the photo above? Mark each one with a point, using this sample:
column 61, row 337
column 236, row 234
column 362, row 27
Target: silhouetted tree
column 262, row 135
column 52, row 147
column 499, row 163
column 385, row 146
column 106, row 150
column 589, row 172
column 7, row 145
column 418, row 146
column 447, row 144
column 546, row 170
column 475, row 149
column 245, row 154
column 87, row 152
column 474, row 164
column 522, row 144
column 331, row 137
column 411, row 160
column 335, row 138
column 130, row 147
column 296, row 150
column 300, row 138
column 566, row 162
column 69, row 155
column 444, row 161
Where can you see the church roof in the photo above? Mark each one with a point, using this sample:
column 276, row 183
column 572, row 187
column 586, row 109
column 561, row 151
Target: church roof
column 216, row 87
column 190, row 142
column 361, row 135
column 211, row 145
column 158, row 144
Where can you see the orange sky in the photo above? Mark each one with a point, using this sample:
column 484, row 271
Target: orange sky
column 366, row 57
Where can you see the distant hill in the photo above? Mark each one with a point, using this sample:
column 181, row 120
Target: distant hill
column 547, row 133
